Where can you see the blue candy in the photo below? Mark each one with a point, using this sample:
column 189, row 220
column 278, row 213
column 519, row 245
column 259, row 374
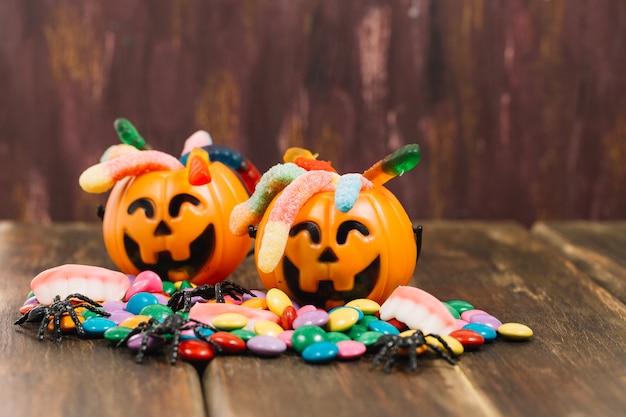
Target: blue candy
column 320, row 352
column 140, row 300
column 96, row 326
column 382, row 327
column 485, row 331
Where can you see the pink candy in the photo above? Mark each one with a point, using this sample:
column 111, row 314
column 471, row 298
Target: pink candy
column 146, row 281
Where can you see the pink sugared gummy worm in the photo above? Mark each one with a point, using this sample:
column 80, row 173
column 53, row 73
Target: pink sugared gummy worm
column 101, row 177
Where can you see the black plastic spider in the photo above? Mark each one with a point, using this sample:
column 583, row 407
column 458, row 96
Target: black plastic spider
column 183, row 298
column 58, row 308
column 389, row 345
column 172, row 325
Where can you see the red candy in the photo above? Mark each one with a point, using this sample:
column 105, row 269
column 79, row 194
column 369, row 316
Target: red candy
column 228, row 342
column 287, row 318
column 398, row 324
column 194, row 350
column 468, row 338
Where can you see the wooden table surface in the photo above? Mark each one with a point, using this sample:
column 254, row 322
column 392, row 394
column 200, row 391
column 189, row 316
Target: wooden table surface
column 564, row 280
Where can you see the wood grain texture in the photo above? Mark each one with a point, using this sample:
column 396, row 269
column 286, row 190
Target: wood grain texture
column 518, row 105
column 598, row 249
column 572, row 366
column 75, row 377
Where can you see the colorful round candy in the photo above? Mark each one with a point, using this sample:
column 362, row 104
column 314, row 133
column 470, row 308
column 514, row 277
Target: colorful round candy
column 320, row 352
column 515, row 331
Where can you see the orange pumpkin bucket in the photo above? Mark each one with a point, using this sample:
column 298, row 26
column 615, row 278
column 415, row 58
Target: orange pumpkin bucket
column 325, row 238
column 170, row 218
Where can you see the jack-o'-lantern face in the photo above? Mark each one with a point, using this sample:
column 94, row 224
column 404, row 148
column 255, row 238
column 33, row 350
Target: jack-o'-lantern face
column 332, row 257
column 158, row 221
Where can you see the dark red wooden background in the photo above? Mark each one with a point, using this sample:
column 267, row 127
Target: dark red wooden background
column 519, row 106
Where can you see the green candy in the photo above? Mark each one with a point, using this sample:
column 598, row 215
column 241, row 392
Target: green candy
column 366, row 319
column 87, row 314
column 307, row 335
column 369, row 338
column 356, row 331
column 459, row 305
column 402, row 160
column 129, row 135
column 116, row 334
column 169, row 288
column 452, row 311
column 243, row 334
column 157, row 311
column 185, row 285
column 336, row 337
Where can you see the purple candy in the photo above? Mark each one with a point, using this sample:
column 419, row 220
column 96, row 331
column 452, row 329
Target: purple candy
column 31, row 301
column 161, row 297
column 311, row 318
column 486, row 319
column 111, row 306
column 266, row 345
column 119, row 316
column 154, row 342
column 258, row 293
column 467, row 314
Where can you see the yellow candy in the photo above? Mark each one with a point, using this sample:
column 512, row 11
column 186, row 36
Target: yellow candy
column 365, row 305
column 226, row 301
column 454, row 344
column 230, row 321
column 515, row 331
column 267, row 328
column 257, row 302
column 342, row 319
column 134, row 321
column 277, row 301
column 178, row 284
column 404, row 351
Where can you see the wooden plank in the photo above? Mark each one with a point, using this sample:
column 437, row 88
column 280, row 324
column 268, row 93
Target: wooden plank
column 573, row 365
column 75, row 377
column 485, row 87
column 597, row 248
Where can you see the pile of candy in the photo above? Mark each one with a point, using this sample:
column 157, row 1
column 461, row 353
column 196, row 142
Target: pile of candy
column 153, row 314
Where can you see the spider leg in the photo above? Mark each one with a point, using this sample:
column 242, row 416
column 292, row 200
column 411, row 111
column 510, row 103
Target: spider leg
column 219, row 297
column 93, row 309
column 413, row 345
column 79, row 327
column 175, row 343
column 144, row 346
column 57, row 326
column 174, row 301
column 42, row 326
column 380, row 355
column 187, row 301
column 234, row 289
column 391, row 357
column 133, row 332
column 198, row 325
column 445, row 353
column 83, row 298
column 384, row 349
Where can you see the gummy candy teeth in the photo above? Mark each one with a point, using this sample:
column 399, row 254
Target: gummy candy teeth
column 97, row 283
column 418, row 310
